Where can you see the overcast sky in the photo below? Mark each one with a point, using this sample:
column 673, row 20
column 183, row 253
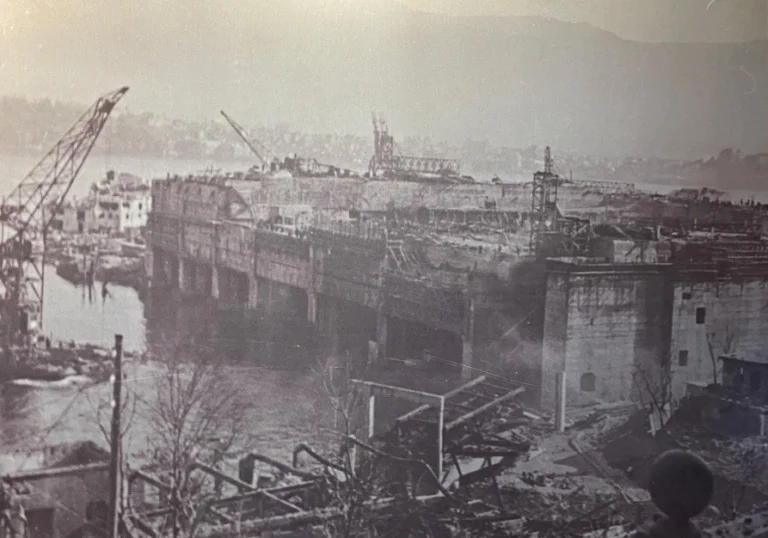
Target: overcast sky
column 640, row 20
column 321, row 65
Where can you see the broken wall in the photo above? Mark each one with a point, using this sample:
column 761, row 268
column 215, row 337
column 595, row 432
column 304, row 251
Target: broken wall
column 69, row 496
column 626, row 250
column 486, row 259
column 602, row 328
column 320, row 193
column 731, row 317
column 234, row 247
column 193, row 199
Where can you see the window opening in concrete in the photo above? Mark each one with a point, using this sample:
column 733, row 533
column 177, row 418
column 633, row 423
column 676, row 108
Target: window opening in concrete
column 701, row 315
column 588, row 382
column 686, row 295
column 682, row 357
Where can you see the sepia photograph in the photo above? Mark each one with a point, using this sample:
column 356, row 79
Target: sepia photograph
column 383, row 268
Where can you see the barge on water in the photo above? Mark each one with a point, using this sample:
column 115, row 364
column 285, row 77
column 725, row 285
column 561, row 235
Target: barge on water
column 44, row 362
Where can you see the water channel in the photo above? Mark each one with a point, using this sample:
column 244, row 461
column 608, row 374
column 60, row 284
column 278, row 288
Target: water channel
column 37, row 414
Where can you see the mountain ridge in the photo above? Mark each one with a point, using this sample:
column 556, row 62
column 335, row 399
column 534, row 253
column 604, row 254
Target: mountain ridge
column 516, row 80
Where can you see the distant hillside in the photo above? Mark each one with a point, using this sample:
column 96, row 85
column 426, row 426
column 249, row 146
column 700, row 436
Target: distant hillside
column 515, row 81
column 31, row 127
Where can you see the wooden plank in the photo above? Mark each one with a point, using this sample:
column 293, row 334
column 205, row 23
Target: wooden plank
column 285, row 504
column 150, row 479
column 280, row 490
column 388, row 391
column 234, row 481
column 483, row 408
column 447, row 395
column 58, row 471
column 301, row 519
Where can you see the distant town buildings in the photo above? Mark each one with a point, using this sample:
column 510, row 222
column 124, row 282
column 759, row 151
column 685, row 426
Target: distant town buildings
column 118, row 205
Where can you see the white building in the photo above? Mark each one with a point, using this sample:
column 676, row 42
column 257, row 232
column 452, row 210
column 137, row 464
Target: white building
column 75, row 217
column 123, row 213
column 134, row 211
column 121, row 204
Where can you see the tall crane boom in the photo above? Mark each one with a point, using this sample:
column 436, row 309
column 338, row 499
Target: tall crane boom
column 244, row 137
column 26, row 213
column 50, row 180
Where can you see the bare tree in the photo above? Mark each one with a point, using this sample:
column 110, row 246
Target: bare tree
column 654, row 389
column 751, row 471
column 362, row 473
column 724, row 342
column 196, row 414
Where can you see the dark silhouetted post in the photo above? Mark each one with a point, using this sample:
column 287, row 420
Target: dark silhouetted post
column 114, row 462
column 681, row 486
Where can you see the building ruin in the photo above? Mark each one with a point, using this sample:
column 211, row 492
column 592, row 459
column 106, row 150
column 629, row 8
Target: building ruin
column 482, row 276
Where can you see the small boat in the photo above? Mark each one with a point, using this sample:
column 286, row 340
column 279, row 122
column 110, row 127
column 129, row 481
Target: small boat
column 43, row 372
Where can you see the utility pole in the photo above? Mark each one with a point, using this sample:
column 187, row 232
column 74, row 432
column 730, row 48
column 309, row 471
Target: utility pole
column 114, row 462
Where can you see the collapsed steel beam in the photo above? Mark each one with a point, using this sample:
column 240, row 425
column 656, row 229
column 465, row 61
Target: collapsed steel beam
column 243, row 485
column 280, row 490
column 305, row 518
column 303, row 447
column 449, row 394
column 392, row 457
column 143, row 526
column 150, row 479
column 483, row 408
column 281, row 466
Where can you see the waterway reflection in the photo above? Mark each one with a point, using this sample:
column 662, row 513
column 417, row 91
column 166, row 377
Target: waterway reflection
column 285, row 402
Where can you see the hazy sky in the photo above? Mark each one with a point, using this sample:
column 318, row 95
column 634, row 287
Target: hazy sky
column 321, row 65
column 641, row 20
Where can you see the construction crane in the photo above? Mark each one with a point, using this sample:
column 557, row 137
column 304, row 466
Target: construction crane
column 544, row 210
column 26, row 214
column 572, row 234
column 248, row 142
column 297, row 166
column 388, row 159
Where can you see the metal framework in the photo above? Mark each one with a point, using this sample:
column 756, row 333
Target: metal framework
column 27, row 212
column 463, row 421
column 386, row 159
column 302, row 499
column 544, row 200
column 246, row 139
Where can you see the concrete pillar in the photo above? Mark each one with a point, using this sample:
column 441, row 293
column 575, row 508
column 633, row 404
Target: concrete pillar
column 468, row 340
column 371, row 416
column 311, row 294
column 197, row 277
column 311, row 306
column 381, row 334
column 204, row 279
column 467, row 358
column 215, row 281
column 151, row 258
column 763, row 425
column 190, row 279
column 253, row 292
column 183, row 276
column 270, row 285
column 560, row 398
column 333, row 327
